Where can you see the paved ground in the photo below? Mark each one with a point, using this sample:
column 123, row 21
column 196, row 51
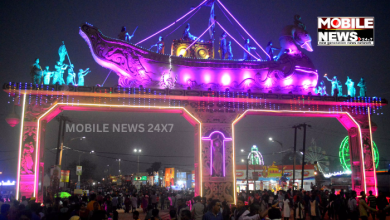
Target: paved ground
column 164, row 215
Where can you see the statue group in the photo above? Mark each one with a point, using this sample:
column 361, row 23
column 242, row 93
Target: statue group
column 337, row 87
column 47, row 77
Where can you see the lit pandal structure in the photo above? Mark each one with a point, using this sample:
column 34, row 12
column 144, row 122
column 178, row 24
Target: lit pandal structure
column 212, row 94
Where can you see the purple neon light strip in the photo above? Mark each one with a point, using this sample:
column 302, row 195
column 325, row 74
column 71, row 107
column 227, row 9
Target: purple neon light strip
column 172, row 23
column 243, row 28
column 236, row 40
column 211, row 150
column 200, row 36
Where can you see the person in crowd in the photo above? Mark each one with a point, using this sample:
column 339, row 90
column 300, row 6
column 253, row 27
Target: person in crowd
column 154, row 200
column 4, row 210
column 197, row 209
column 314, row 210
column 172, row 214
column 363, row 207
column 92, row 200
column 96, row 213
column 155, row 215
column 371, row 200
column 353, row 207
column 185, row 215
column 187, row 35
column 136, row 215
column 149, row 212
column 214, row 213
column 127, row 204
column 226, row 213
column 286, row 208
column 134, row 200
column 299, row 209
column 241, row 211
column 181, row 206
column 162, row 200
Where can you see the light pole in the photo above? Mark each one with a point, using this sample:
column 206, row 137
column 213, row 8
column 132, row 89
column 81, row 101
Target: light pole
column 272, row 140
column 138, row 152
column 78, row 176
column 119, row 160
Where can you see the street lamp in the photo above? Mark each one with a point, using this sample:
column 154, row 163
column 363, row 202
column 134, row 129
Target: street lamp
column 272, row 140
column 138, row 152
column 119, row 160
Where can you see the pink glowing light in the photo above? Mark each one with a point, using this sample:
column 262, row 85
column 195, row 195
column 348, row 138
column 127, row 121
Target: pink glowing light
column 211, row 150
column 226, row 79
column 206, row 78
column 236, row 40
column 306, row 84
column 199, row 36
column 288, row 81
column 306, row 71
column 268, row 83
column 172, row 23
column 307, row 46
column 243, row 28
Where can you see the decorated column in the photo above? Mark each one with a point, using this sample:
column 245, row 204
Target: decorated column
column 27, row 161
column 362, row 155
column 218, row 162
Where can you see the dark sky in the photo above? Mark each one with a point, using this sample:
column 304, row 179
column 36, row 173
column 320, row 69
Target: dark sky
column 31, row 29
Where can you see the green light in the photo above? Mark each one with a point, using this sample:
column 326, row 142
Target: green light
column 63, row 195
column 344, row 154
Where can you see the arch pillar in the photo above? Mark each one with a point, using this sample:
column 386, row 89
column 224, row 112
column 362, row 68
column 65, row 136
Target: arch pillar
column 362, row 155
column 218, row 171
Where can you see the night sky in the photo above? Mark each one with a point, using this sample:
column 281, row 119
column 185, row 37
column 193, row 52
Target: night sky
column 35, row 29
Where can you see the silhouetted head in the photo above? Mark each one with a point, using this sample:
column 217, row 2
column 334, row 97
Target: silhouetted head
column 123, row 29
column 269, row 43
column 160, row 38
column 188, row 26
column 247, row 41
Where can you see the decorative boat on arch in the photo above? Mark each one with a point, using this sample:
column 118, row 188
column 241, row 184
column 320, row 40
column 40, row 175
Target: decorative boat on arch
column 292, row 72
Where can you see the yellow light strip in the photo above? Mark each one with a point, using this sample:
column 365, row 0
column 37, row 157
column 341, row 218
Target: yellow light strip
column 20, row 148
column 372, row 149
column 115, row 106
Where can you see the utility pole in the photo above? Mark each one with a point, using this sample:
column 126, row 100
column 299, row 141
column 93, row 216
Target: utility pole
column 295, row 152
column 304, row 125
column 247, row 176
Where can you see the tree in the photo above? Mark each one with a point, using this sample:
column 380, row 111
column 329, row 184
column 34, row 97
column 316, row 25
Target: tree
column 154, row 167
column 88, row 171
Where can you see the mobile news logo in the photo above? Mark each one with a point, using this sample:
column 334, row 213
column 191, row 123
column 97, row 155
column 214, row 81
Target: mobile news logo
column 345, row 31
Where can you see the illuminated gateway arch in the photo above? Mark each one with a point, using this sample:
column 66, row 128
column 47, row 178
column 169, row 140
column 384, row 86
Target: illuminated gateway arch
column 212, row 94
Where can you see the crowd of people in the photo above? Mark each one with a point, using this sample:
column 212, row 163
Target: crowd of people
column 182, row 205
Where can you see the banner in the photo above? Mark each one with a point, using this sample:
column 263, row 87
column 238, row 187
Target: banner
column 65, row 176
column 79, row 170
column 55, row 176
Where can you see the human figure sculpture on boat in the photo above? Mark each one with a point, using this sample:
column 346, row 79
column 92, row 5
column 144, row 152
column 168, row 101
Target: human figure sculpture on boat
column 350, row 87
column 223, row 46
column 47, row 74
column 321, row 89
column 36, row 72
column 230, row 51
column 334, row 82
column 340, row 88
column 248, row 47
column 270, row 51
column 160, row 45
column 293, row 35
column 81, row 75
column 363, row 88
column 60, row 68
column 187, row 35
column 124, row 35
column 71, row 76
